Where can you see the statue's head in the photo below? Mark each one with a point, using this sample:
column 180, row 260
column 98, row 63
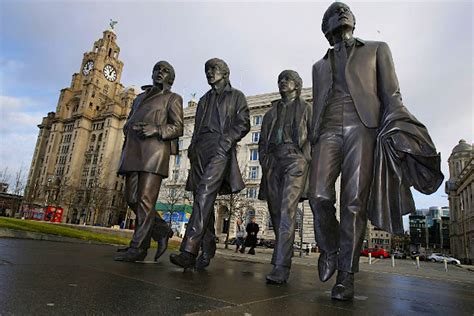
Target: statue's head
column 289, row 81
column 163, row 73
column 338, row 16
column 216, row 70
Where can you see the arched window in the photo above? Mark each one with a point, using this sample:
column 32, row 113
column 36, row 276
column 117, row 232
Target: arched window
column 269, row 224
column 249, row 215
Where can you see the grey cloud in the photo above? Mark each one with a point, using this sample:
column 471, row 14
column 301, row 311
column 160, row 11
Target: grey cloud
column 431, row 44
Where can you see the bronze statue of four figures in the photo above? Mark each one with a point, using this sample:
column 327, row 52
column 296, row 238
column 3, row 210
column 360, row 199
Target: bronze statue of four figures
column 357, row 129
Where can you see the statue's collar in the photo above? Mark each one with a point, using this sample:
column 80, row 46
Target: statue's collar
column 358, row 42
column 226, row 88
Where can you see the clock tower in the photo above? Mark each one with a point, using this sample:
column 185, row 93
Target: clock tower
column 78, row 149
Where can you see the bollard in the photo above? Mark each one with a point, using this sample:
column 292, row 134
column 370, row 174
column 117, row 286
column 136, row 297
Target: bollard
column 417, row 262
column 445, row 265
column 370, row 258
column 393, row 261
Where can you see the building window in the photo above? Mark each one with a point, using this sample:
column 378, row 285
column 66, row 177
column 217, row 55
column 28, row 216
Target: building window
column 252, row 193
column 269, row 224
column 175, row 174
column 299, row 221
column 253, row 172
column 177, row 160
column 250, row 214
column 253, row 154
column 257, row 120
column 172, row 192
column 255, row 137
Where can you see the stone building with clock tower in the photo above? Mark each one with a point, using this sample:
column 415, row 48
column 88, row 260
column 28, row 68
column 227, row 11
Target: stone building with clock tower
column 78, row 147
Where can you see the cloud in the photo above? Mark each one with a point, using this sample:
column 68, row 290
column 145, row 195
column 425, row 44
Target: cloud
column 10, row 64
column 9, row 103
column 431, row 43
column 17, row 116
column 16, row 151
column 18, row 131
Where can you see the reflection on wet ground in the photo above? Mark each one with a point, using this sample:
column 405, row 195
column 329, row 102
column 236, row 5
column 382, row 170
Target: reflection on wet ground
column 39, row 277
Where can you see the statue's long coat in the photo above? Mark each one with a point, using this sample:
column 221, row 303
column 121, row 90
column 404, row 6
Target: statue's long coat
column 152, row 154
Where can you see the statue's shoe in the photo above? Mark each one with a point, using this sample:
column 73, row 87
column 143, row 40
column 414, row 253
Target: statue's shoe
column 327, row 264
column 279, row 275
column 203, row 261
column 131, row 255
column 343, row 290
column 184, row 260
column 161, row 235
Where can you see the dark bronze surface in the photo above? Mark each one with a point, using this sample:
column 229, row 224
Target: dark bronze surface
column 284, row 152
column 222, row 120
column 153, row 126
column 362, row 132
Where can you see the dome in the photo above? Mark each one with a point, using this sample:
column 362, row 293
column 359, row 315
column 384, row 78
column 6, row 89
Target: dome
column 462, row 147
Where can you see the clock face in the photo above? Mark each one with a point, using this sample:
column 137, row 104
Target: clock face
column 88, row 67
column 110, row 73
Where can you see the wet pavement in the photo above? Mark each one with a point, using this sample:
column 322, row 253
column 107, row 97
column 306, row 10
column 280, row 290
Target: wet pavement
column 56, row 278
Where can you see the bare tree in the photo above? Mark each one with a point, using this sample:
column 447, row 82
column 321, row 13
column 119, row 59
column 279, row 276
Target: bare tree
column 68, row 194
column 97, row 194
column 19, row 180
column 99, row 197
column 236, row 203
column 172, row 192
column 5, row 176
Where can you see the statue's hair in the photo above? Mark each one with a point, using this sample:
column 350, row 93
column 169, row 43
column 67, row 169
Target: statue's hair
column 221, row 65
column 329, row 11
column 293, row 75
column 168, row 66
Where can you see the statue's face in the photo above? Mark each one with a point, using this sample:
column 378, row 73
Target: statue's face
column 161, row 74
column 214, row 74
column 286, row 84
column 340, row 16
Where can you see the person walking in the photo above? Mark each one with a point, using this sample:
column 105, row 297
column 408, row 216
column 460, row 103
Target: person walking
column 251, row 239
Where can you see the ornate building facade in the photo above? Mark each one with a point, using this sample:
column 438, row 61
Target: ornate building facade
column 78, row 147
column 460, row 189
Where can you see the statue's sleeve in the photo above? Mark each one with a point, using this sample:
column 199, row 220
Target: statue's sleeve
column 132, row 110
column 240, row 124
column 312, row 121
column 263, row 141
column 175, row 122
column 387, row 82
column 197, row 122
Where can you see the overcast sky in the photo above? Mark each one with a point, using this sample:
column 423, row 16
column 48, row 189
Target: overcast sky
column 42, row 44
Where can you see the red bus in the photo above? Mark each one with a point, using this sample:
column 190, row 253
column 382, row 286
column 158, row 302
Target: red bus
column 53, row 214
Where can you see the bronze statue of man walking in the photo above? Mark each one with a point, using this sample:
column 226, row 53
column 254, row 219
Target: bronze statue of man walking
column 222, row 120
column 360, row 130
column 151, row 132
column 284, row 152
